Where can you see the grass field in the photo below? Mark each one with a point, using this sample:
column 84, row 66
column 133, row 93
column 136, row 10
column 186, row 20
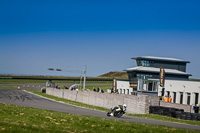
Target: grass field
column 27, row 81
column 26, row 119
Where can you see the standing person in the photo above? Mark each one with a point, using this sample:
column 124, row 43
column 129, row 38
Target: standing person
column 165, row 99
column 102, row 91
column 170, row 99
column 94, row 89
column 98, row 89
column 112, row 90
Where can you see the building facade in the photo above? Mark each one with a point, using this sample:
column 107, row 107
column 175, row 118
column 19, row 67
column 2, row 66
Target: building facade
column 144, row 79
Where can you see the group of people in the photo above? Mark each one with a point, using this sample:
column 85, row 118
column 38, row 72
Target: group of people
column 167, row 99
column 57, row 87
column 100, row 90
column 50, row 84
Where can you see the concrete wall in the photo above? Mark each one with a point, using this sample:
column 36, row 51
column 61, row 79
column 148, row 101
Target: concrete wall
column 186, row 108
column 135, row 104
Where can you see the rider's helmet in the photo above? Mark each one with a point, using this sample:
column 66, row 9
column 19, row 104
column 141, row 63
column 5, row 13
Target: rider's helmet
column 124, row 106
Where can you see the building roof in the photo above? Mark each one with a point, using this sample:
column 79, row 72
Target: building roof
column 161, row 59
column 156, row 70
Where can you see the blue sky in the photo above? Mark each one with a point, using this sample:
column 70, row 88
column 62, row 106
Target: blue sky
column 104, row 35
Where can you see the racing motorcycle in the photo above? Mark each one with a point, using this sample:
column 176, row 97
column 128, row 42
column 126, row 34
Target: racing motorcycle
column 117, row 114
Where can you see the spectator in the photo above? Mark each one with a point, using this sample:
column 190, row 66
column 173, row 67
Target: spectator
column 170, row 99
column 94, row 89
column 112, row 90
column 65, row 87
column 56, row 86
column 53, row 84
column 48, row 83
column 165, row 99
column 101, row 90
column 98, row 89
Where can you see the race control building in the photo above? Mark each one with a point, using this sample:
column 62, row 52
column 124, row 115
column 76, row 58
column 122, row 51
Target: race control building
column 145, row 79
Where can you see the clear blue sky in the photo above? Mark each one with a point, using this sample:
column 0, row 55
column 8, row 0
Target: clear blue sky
column 104, row 35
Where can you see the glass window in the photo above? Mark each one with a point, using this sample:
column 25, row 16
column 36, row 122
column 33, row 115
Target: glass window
column 150, row 85
column 181, row 97
column 174, row 99
column 188, row 98
column 155, row 86
column 145, row 63
column 168, row 93
column 196, row 98
column 139, row 63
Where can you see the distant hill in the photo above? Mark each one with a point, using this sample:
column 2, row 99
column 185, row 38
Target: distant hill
column 117, row 75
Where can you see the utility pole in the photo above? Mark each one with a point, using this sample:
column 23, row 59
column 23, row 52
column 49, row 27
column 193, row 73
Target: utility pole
column 81, row 80
column 84, row 77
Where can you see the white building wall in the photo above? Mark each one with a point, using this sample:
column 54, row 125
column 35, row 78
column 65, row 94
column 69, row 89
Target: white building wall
column 171, row 86
column 182, row 86
column 124, row 87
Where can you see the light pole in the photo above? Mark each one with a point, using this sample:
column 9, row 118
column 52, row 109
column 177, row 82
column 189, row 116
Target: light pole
column 84, row 77
column 81, row 80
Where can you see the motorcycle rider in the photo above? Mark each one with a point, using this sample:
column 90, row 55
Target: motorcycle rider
column 118, row 108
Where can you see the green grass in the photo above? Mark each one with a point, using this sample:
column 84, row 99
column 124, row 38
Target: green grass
column 27, row 81
column 25, row 119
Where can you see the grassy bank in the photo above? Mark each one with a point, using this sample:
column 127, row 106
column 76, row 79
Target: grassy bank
column 25, row 119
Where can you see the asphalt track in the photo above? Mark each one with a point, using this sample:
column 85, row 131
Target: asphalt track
column 22, row 98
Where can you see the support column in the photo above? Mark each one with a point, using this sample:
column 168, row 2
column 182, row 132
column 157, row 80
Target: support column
column 184, row 98
column 165, row 94
column 192, row 102
column 172, row 96
column 178, row 97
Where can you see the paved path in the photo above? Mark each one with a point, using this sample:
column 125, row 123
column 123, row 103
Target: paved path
column 23, row 98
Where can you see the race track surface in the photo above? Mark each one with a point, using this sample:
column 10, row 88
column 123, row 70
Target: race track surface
column 22, row 98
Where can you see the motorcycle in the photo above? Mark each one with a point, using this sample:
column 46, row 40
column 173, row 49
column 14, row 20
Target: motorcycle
column 118, row 114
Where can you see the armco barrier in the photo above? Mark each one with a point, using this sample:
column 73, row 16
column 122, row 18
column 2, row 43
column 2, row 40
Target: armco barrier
column 135, row 104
